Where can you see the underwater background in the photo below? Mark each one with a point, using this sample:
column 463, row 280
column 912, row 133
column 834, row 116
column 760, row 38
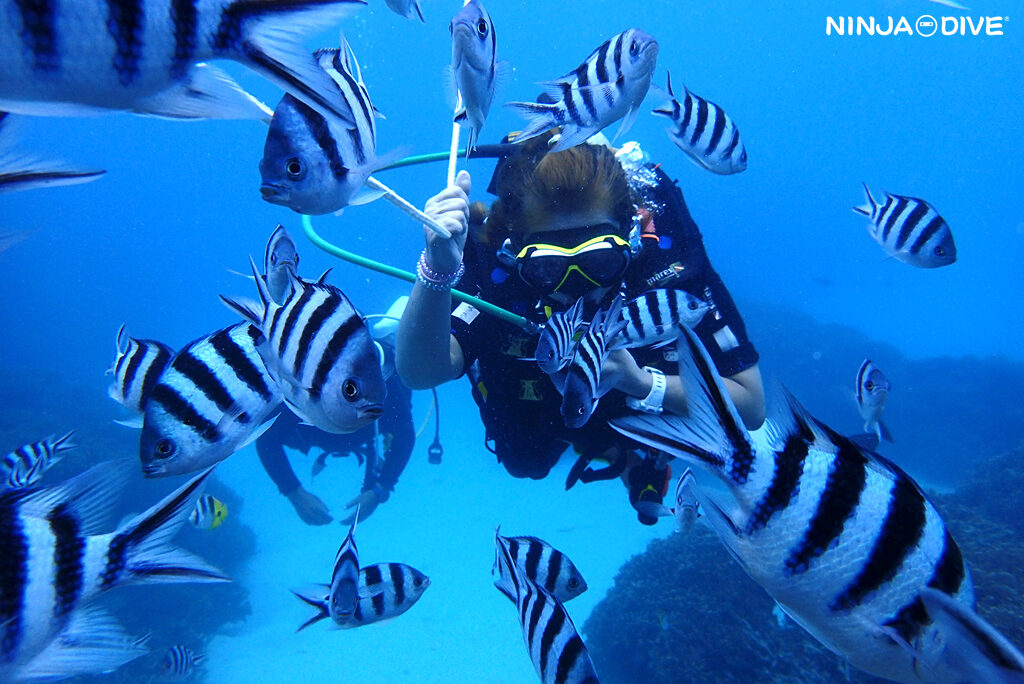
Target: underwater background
column 150, row 245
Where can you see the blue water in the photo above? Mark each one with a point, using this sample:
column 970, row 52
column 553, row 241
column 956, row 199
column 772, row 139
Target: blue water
column 150, row 245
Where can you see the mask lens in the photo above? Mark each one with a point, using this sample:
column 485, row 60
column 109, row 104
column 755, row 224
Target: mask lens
column 602, row 261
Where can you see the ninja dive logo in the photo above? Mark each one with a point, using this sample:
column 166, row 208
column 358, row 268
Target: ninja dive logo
column 925, row 26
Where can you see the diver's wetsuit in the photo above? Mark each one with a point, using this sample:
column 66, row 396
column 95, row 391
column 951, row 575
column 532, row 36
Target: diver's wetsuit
column 519, row 405
column 395, row 426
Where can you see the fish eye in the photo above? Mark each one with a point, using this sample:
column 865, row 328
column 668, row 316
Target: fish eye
column 693, row 305
column 573, row 583
column 580, row 411
column 350, row 390
column 417, row 582
column 939, row 251
column 481, row 28
column 273, row 260
column 743, row 156
column 634, row 48
column 165, row 448
column 869, row 385
column 294, row 168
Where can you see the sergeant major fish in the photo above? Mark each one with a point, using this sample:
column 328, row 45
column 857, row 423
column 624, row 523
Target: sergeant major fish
column 143, row 56
column 179, row 662
column 25, row 466
column 704, row 132
column 687, row 508
column 320, row 351
column 474, row 66
column 557, row 342
column 542, row 563
column 842, row 539
column 56, row 560
column 343, row 593
column 582, row 387
column 209, row 513
column 872, row 392
column 316, row 165
column 136, row 368
column 211, row 400
column 910, row 230
column 386, row 590
column 280, row 264
column 609, row 85
column 653, row 318
column 555, row 647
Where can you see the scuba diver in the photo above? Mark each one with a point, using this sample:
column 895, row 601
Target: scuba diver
column 566, row 225
column 384, row 445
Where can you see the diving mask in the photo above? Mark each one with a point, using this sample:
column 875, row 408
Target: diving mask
column 598, row 262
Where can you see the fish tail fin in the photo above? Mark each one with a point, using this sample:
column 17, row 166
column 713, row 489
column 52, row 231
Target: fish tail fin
column 712, row 434
column 62, row 443
column 267, row 37
column 317, row 599
column 139, row 549
column 540, row 117
column 247, row 308
column 869, row 208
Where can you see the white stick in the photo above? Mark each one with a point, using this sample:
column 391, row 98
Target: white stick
column 414, row 213
column 453, row 152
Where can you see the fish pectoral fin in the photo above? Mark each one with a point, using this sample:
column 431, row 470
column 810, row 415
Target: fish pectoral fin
column 366, row 195
column 627, row 122
column 134, row 423
column 257, row 433
column 573, row 136
column 207, row 92
column 91, row 642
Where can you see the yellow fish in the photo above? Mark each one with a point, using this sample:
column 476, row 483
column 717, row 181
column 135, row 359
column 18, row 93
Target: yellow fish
column 209, row 512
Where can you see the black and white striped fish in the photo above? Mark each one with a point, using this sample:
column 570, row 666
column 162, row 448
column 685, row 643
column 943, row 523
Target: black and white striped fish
column 544, row 564
column 179, row 662
column 687, row 508
column 653, row 318
column 280, row 264
column 841, row 538
column 557, row 341
column 20, row 171
column 145, row 56
column 872, row 392
column 136, row 368
column 316, row 165
column 319, row 349
column 24, row 466
column 211, row 400
column 555, row 647
column 975, row 650
column 609, row 85
column 209, row 513
column 582, row 387
column 386, row 590
column 704, row 132
column 474, row 66
column 910, row 230
column 57, row 559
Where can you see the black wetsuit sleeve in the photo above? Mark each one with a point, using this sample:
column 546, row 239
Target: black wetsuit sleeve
column 270, row 449
column 396, row 427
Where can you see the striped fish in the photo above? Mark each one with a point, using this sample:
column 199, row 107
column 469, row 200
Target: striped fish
column 910, row 230
column 841, row 538
column 554, row 645
column 542, row 563
column 211, row 400
column 582, row 387
column 975, row 650
column 653, row 318
column 872, row 392
column 344, row 595
column 609, row 85
column 136, row 368
column 704, row 132
column 144, row 56
column 19, row 171
column 280, row 264
column 687, row 508
column 474, row 66
column 179, row 662
column 406, row 8
column 321, row 352
column 24, row 466
column 314, row 165
column 209, row 513
column 386, row 590
column 557, row 342
column 56, row 560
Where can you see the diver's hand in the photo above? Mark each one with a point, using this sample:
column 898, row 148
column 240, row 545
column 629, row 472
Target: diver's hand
column 310, row 508
column 621, row 372
column 367, row 502
column 450, row 208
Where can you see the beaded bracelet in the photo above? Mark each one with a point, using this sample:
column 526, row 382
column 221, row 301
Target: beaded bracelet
column 432, row 280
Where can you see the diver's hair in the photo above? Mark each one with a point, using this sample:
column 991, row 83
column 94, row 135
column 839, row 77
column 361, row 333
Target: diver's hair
column 532, row 185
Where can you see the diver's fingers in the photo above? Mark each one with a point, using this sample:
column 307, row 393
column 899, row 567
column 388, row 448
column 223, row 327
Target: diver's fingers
column 454, row 205
column 464, row 182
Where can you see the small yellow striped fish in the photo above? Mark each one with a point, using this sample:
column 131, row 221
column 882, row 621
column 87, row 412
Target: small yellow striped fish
column 209, row 512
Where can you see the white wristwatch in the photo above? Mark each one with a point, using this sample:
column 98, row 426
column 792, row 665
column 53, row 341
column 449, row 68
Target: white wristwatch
column 654, row 400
